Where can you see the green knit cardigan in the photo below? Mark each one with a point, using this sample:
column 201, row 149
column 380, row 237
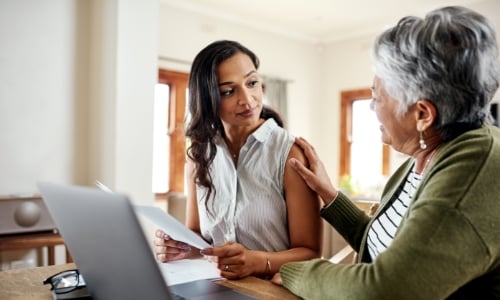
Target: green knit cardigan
column 446, row 247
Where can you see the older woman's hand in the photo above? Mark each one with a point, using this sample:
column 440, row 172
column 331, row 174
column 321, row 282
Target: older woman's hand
column 315, row 176
column 277, row 279
column 168, row 249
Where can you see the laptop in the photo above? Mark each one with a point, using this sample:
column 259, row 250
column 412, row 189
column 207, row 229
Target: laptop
column 108, row 244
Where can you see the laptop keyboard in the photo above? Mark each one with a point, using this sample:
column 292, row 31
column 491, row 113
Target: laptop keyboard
column 179, row 297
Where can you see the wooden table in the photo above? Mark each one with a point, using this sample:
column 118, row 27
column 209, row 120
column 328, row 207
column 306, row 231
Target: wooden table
column 22, row 284
column 34, row 241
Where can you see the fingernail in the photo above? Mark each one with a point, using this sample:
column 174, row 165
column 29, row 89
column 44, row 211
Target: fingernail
column 186, row 248
column 206, row 251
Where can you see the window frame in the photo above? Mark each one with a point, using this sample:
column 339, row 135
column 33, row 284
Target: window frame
column 177, row 82
column 347, row 98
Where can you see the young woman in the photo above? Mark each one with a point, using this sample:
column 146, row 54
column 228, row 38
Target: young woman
column 242, row 196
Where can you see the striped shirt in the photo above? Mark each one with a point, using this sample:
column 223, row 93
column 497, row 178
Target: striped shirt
column 384, row 227
column 248, row 205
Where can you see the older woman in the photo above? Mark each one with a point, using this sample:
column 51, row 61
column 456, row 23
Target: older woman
column 436, row 234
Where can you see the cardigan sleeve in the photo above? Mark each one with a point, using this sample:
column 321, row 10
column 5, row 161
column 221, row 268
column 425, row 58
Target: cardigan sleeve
column 349, row 220
column 446, row 245
column 422, row 263
column 442, row 244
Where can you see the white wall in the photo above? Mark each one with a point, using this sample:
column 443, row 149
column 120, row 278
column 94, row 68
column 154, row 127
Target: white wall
column 317, row 72
column 76, row 85
column 347, row 65
column 40, row 93
column 183, row 34
column 124, row 73
column 76, row 89
column 77, row 82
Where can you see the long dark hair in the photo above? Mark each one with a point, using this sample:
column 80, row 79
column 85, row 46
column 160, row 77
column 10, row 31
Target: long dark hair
column 204, row 96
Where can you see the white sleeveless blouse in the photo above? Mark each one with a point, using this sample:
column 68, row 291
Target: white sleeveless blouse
column 248, row 203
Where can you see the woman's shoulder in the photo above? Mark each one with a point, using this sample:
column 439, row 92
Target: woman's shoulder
column 269, row 132
column 484, row 141
column 297, row 153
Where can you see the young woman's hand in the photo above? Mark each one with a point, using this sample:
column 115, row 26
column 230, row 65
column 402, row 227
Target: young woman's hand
column 235, row 261
column 168, row 249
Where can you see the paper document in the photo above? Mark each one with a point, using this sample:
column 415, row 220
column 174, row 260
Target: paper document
column 103, row 187
column 186, row 270
column 171, row 226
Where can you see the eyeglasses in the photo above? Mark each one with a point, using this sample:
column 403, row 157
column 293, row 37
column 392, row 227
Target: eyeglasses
column 65, row 281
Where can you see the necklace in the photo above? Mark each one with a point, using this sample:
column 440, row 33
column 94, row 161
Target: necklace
column 428, row 160
column 233, row 151
column 234, row 154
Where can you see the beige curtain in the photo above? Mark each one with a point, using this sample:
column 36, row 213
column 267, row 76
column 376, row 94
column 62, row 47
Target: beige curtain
column 275, row 95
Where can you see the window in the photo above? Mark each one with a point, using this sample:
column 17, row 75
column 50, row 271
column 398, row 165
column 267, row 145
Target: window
column 169, row 148
column 364, row 160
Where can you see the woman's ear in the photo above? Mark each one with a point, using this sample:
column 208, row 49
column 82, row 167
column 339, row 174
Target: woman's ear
column 425, row 114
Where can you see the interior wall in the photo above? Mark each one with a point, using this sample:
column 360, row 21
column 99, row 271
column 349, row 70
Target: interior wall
column 76, row 94
column 183, row 34
column 76, row 98
column 74, row 85
column 136, row 72
column 123, row 60
column 42, row 98
column 347, row 65
column 77, row 84
column 42, row 102
column 317, row 72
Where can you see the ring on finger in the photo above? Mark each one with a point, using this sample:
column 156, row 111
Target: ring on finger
column 226, row 268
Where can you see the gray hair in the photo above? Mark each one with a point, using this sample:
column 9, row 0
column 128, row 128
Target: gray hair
column 449, row 58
